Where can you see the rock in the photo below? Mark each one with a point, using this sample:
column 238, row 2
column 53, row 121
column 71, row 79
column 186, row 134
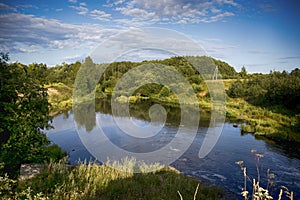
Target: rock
column 28, row 171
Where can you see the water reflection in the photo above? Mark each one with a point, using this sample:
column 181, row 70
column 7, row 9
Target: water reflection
column 85, row 116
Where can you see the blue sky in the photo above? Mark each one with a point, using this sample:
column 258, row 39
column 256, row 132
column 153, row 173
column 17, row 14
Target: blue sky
column 260, row 35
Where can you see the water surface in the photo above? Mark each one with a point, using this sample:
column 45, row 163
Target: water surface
column 218, row 167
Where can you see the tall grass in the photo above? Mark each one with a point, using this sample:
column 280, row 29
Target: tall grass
column 114, row 180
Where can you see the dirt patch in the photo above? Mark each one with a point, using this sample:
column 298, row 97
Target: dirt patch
column 53, row 91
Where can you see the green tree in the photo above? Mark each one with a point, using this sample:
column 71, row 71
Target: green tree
column 237, row 89
column 23, row 114
column 243, row 72
column 87, row 78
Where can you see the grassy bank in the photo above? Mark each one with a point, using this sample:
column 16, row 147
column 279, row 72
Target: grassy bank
column 60, row 97
column 111, row 181
column 262, row 121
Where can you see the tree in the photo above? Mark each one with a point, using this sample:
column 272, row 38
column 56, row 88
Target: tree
column 87, row 79
column 243, row 72
column 24, row 113
column 237, row 89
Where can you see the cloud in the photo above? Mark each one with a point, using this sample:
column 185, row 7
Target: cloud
column 213, row 39
column 174, row 11
column 268, row 7
column 20, row 32
column 139, row 43
column 229, row 2
column 144, row 12
column 100, row 15
column 114, row 3
column 73, row 58
column 82, row 9
column 73, row 1
column 22, row 50
column 59, row 9
column 289, row 57
column 258, row 51
column 6, row 7
column 216, row 17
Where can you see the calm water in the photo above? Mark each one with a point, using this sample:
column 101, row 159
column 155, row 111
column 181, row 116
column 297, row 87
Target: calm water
column 218, row 167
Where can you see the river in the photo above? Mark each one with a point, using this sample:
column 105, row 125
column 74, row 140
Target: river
column 217, row 168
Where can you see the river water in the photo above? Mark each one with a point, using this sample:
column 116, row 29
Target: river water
column 217, row 168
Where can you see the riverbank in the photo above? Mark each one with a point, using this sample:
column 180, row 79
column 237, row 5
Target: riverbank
column 59, row 97
column 114, row 180
column 263, row 122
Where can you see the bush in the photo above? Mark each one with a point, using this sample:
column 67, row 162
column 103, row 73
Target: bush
column 55, row 153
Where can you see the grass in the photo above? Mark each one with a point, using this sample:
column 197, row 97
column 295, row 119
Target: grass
column 261, row 121
column 60, row 97
column 114, row 180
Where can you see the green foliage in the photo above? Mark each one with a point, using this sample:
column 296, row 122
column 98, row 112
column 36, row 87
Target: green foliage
column 148, row 90
column 23, row 113
column 243, row 73
column 225, row 69
column 276, row 88
column 278, row 124
column 24, row 110
column 237, row 89
column 181, row 64
column 86, row 81
column 65, row 73
column 164, row 92
column 60, row 97
column 55, row 153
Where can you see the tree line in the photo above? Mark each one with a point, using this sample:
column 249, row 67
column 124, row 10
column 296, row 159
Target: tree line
column 273, row 89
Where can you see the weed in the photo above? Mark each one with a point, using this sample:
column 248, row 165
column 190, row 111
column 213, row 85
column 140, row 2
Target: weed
column 258, row 192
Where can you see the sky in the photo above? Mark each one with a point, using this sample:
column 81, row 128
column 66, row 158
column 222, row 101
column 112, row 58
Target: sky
column 261, row 35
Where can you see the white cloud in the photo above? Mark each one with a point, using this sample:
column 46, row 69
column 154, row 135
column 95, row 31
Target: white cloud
column 26, row 50
column 100, row 15
column 214, row 10
column 174, row 11
column 117, row 2
column 73, row 1
column 229, row 2
column 139, row 43
column 219, row 16
column 82, row 10
column 73, row 58
column 59, row 9
column 19, row 33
